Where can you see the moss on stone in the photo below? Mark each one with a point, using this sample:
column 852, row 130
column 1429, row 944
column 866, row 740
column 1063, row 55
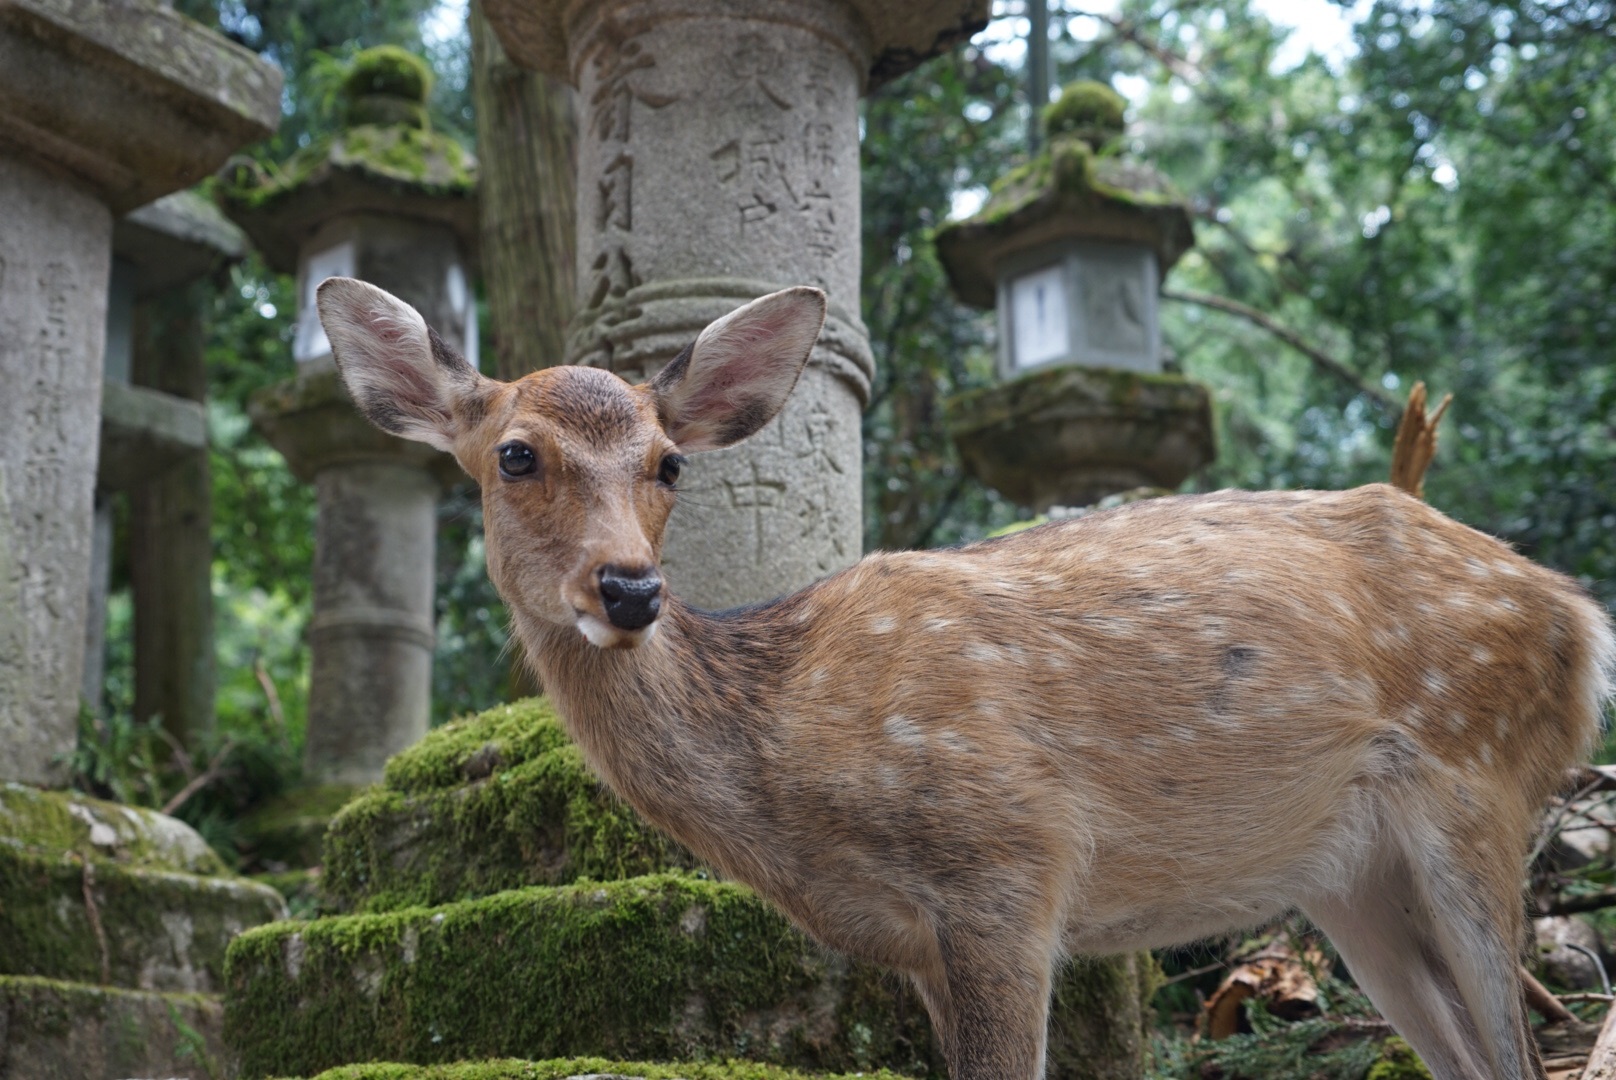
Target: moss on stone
column 1014, row 401
column 543, row 821
column 388, row 70
column 1087, row 110
column 477, row 746
column 163, row 930
column 64, row 1029
column 1398, row 1061
column 62, row 823
column 563, row 1068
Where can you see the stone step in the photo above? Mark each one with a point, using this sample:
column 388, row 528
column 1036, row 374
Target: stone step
column 497, row 801
column 666, row 967
column 57, row 823
column 53, row 1030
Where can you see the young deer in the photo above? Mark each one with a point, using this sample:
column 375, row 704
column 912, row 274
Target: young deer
column 1133, row 729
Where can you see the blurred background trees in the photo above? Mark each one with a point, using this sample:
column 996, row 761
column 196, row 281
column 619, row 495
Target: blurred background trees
column 1435, row 199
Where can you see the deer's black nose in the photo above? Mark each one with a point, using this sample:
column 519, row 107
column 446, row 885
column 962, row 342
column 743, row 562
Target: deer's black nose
column 632, row 598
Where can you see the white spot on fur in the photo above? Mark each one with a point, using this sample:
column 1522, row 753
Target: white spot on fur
column 1507, row 604
column 983, row 652
column 1487, row 753
column 603, row 635
column 883, row 624
column 1480, row 655
column 1435, row 684
column 937, row 626
column 901, row 730
column 818, row 675
column 1477, row 569
column 1501, row 725
column 954, row 741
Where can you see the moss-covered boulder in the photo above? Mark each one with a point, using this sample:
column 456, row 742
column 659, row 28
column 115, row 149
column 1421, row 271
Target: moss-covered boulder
column 68, row 1031
column 58, row 824
column 665, row 967
column 497, row 801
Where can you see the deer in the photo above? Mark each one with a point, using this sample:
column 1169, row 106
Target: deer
column 1133, row 729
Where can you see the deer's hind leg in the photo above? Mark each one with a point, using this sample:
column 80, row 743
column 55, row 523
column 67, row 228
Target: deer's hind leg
column 989, row 1006
column 1383, row 930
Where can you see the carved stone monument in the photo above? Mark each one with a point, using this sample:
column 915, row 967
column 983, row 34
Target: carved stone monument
column 1071, row 247
column 103, row 107
column 718, row 161
column 391, row 202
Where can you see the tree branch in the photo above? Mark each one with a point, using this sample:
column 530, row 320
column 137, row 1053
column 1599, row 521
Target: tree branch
column 1321, row 359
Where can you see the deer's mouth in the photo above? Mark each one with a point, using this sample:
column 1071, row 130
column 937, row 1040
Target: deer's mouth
column 603, row 635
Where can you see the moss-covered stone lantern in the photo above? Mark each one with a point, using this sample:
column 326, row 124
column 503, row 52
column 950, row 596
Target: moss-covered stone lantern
column 1071, row 248
column 388, row 200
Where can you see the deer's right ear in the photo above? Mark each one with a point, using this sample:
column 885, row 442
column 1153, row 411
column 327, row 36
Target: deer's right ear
column 401, row 374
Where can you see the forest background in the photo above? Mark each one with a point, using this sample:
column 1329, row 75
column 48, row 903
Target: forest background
column 1434, row 200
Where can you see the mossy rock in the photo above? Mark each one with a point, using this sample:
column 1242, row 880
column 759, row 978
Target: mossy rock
column 666, row 967
column 285, row 833
column 386, row 85
column 574, row 1068
column 54, row 824
column 162, row 930
column 53, row 1030
column 498, row 801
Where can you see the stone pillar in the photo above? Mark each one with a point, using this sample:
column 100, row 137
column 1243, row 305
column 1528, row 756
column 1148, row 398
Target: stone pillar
column 718, row 161
column 103, row 106
column 388, row 201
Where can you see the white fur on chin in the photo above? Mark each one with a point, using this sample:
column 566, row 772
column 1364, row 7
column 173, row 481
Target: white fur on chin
column 603, row 635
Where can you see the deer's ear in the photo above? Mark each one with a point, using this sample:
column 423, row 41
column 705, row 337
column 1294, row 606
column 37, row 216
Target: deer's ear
column 740, row 370
column 401, row 375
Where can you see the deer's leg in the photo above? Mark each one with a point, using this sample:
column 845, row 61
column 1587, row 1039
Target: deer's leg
column 1476, row 909
column 989, row 1006
column 1384, row 933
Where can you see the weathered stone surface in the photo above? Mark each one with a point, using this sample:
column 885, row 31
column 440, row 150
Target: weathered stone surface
column 129, row 98
column 53, row 1030
column 509, row 803
column 582, row 1069
column 54, row 261
column 1072, row 435
column 175, row 240
column 162, row 930
column 894, row 38
column 57, row 824
column 661, row 968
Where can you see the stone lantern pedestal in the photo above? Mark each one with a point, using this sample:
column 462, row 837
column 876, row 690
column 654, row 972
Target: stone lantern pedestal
column 388, row 201
column 718, row 161
column 1071, row 248
column 103, row 107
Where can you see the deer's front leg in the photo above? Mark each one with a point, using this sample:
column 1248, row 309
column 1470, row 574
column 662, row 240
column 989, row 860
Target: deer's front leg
column 989, row 1006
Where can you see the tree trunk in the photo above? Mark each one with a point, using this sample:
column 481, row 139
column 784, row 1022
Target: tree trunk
column 527, row 150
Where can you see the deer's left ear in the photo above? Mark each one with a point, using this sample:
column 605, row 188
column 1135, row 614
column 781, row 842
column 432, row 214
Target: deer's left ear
column 403, row 377
column 740, row 370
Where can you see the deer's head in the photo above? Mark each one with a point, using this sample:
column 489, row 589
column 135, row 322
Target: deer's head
column 578, row 468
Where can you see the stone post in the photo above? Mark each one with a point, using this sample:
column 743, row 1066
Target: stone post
column 718, row 161
column 388, row 201
column 103, row 107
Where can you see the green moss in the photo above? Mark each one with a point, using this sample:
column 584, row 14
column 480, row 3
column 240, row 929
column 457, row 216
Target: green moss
column 58, row 823
column 407, row 158
column 1011, row 402
column 1086, row 110
column 54, row 1028
column 1398, row 1061
column 162, row 929
column 388, row 70
column 560, row 1068
column 477, row 746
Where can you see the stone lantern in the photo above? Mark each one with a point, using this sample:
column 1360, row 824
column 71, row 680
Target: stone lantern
column 717, row 161
column 394, row 203
column 103, row 107
column 1071, row 249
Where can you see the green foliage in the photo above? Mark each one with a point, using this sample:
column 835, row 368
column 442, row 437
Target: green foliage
column 1398, row 1061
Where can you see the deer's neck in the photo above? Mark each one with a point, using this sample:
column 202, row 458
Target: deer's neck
column 682, row 727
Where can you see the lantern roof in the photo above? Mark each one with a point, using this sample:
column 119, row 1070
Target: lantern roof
column 1079, row 188
column 385, row 160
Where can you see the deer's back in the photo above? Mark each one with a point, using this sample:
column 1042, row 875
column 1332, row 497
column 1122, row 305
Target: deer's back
column 1192, row 691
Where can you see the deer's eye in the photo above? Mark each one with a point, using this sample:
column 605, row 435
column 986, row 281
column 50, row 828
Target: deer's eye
column 517, row 459
column 668, row 471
